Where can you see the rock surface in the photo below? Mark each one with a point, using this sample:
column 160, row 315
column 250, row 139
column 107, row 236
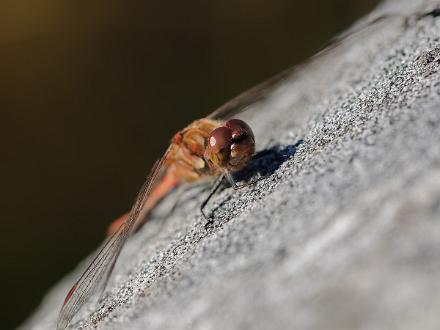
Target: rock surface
column 342, row 232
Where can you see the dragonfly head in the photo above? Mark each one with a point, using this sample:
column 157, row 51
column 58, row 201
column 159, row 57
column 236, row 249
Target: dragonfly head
column 231, row 146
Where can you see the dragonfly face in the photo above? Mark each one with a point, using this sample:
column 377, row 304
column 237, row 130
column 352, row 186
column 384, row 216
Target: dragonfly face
column 230, row 147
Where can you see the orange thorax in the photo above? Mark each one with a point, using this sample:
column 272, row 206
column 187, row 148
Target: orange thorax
column 185, row 159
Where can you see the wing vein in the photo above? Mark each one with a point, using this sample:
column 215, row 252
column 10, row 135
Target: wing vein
column 99, row 270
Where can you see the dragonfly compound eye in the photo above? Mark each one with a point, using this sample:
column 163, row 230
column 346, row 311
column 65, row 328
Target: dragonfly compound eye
column 218, row 150
column 220, row 139
column 239, row 129
column 243, row 144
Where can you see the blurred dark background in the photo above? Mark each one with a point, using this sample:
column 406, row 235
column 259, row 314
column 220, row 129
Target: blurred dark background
column 91, row 92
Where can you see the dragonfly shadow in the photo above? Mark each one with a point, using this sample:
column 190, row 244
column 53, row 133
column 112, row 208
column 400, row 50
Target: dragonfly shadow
column 267, row 161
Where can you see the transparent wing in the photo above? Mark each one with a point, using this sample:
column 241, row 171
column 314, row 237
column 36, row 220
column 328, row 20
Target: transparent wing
column 257, row 93
column 98, row 272
column 238, row 104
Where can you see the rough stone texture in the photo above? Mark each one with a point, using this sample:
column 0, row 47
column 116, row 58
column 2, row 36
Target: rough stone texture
column 343, row 232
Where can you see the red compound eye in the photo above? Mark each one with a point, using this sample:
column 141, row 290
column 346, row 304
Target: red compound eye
column 239, row 129
column 220, row 139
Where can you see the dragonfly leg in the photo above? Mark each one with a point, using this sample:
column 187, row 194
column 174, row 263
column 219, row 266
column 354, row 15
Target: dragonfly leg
column 214, row 189
column 237, row 187
column 228, row 176
column 231, row 180
column 265, row 153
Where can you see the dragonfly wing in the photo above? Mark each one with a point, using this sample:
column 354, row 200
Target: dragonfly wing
column 257, row 93
column 239, row 103
column 98, row 272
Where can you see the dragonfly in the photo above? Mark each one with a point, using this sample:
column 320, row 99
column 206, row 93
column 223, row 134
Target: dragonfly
column 214, row 146
column 209, row 147
column 205, row 148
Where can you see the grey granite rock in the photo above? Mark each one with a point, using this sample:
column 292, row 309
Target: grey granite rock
column 342, row 232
